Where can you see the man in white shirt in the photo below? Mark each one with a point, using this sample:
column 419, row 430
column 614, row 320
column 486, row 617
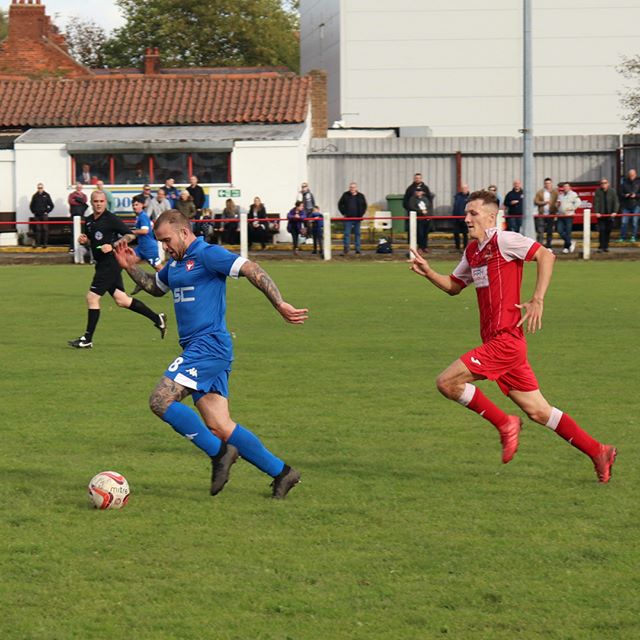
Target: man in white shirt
column 568, row 202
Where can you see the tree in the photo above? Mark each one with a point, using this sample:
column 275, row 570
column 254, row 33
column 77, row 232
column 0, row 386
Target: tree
column 630, row 69
column 86, row 40
column 206, row 33
column 4, row 24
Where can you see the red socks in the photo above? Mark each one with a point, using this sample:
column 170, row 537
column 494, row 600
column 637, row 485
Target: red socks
column 474, row 399
column 566, row 427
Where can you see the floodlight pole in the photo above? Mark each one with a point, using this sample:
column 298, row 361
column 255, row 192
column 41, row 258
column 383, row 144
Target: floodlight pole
column 528, row 221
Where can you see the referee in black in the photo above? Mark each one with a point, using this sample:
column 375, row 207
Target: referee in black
column 104, row 230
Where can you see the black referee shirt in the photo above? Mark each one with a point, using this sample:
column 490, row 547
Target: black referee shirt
column 107, row 229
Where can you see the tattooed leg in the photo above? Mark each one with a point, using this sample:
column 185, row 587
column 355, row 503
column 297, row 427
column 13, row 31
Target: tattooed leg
column 166, row 392
column 165, row 403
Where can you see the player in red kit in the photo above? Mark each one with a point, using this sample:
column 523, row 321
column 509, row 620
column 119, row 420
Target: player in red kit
column 493, row 262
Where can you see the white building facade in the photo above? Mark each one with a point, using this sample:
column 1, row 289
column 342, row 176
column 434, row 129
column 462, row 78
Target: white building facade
column 455, row 66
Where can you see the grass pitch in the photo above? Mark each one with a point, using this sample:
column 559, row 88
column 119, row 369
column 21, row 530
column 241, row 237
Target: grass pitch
column 406, row 524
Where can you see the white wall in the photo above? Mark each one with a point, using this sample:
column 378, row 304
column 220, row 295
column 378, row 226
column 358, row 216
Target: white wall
column 7, row 180
column 456, row 65
column 271, row 170
column 46, row 163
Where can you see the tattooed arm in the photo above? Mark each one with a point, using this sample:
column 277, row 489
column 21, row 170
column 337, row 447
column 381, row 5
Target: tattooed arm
column 260, row 279
column 128, row 260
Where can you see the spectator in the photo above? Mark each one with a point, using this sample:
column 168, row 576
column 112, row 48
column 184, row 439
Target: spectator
column 352, row 204
column 630, row 202
column 419, row 203
column 197, row 193
column 171, row 192
column 85, row 176
column 513, row 206
column 605, row 207
column 316, row 220
column 258, row 223
column 111, row 205
column 568, row 202
column 40, row 206
column 546, row 200
column 494, row 190
column 158, row 205
column 185, row 205
column 230, row 230
column 308, row 201
column 295, row 224
column 209, row 229
column 77, row 206
column 147, row 195
column 411, row 190
column 459, row 226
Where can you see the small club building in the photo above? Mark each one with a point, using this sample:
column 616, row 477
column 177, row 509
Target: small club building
column 244, row 132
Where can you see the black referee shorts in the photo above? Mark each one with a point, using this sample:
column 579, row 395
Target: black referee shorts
column 107, row 278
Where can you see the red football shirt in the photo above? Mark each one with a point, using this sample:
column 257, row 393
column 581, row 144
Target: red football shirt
column 495, row 268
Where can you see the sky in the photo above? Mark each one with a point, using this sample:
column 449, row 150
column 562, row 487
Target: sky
column 104, row 12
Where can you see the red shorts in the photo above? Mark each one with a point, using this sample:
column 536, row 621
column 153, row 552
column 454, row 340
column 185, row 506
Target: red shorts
column 503, row 359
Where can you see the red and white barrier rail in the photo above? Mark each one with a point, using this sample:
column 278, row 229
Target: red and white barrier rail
column 413, row 218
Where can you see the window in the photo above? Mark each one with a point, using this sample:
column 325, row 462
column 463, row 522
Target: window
column 170, row 165
column 140, row 168
column 91, row 167
column 131, row 168
column 211, row 167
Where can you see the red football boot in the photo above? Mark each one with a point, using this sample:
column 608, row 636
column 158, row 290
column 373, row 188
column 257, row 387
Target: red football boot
column 509, row 433
column 604, row 461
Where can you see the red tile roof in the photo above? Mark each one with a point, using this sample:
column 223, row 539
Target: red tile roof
column 154, row 100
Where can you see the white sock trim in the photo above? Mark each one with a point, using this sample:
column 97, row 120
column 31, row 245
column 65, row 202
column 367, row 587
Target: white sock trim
column 554, row 418
column 467, row 394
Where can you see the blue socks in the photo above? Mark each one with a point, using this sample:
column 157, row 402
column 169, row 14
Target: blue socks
column 188, row 423
column 253, row 451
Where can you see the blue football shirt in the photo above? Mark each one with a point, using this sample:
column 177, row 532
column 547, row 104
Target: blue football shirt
column 199, row 287
column 147, row 243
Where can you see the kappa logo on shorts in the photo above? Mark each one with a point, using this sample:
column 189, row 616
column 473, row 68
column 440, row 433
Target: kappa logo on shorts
column 476, row 361
column 193, row 372
column 190, row 264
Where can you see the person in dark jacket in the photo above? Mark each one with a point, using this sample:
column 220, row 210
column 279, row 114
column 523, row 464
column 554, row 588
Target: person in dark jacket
column 77, row 206
column 410, row 192
column 459, row 226
column 605, row 208
column 258, row 223
column 630, row 203
column 513, row 206
column 295, row 223
column 353, row 205
column 41, row 205
column 419, row 203
column 197, row 195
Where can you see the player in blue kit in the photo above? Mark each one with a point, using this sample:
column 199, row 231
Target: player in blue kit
column 147, row 249
column 196, row 275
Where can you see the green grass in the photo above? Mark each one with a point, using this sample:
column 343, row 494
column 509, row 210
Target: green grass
column 406, row 524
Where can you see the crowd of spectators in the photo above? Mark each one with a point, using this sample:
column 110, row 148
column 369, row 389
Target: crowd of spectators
column 555, row 209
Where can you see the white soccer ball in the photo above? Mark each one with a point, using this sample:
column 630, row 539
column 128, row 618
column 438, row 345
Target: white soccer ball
column 109, row 490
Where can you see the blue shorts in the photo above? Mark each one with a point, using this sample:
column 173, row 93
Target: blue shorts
column 151, row 257
column 198, row 369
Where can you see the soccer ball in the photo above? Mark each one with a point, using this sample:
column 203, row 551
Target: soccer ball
column 109, row 490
